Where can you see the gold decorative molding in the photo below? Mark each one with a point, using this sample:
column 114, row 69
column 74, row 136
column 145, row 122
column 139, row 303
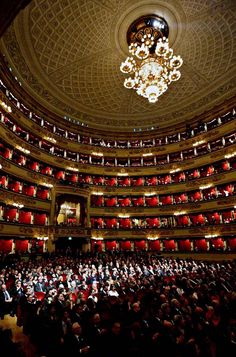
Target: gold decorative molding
column 29, row 202
column 54, row 59
column 203, row 206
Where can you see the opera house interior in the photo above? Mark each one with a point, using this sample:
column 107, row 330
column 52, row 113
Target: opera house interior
column 117, row 178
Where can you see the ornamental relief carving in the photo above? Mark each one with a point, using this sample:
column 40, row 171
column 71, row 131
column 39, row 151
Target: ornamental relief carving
column 4, row 163
column 44, row 26
column 228, row 201
column 72, row 231
column 11, row 197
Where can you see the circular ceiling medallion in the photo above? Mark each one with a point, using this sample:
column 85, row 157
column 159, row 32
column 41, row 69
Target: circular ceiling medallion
column 67, row 55
column 152, row 25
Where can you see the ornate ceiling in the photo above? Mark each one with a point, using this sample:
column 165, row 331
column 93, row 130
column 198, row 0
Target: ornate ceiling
column 67, row 55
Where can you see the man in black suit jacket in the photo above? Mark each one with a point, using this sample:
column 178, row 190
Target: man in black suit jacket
column 6, row 302
column 75, row 342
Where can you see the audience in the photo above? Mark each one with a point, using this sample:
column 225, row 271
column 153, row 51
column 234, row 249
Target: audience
column 114, row 304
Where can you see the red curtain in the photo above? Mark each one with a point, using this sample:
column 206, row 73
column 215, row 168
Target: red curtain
column 196, row 173
column 73, row 178
column 110, row 245
column 183, row 221
column 10, row 214
column 137, row 182
column 87, row 179
column 42, row 193
column 125, row 245
column 169, row 244
column 97, row 201
column 46, row 170
column 28, row 190
column 124, row 182
column 140, row 245
column 99, row 222
column 183, row 197
column 137, row 202
column 232, row 243
column 40, row 219
column 33, row 166
column 217, row 217
column 210, row 170
column 110, row 202
column 22, row 245
column 125, row 223
column 59, row 175
column 20, row 159
column 6, row 245
column 169, row 200
column 111, row 181
column 25, row 217
column 229, row 189
column 198, row 219
column 217, row 243
column 152, row 201
column 7, row 153
column 200, row 244
column 98, row 180
column 184, row 245
column 14, row 186
column 111, row 223
column 152, row 181
column 225, row 165
column 154, row 245
column 3, row 180
column 197, row 196
column 227, row 216
column 124, row 202
column 152, row 222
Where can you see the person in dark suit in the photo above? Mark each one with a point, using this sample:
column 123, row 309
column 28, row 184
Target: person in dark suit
column 6, row 302
column 75, row 343
column 40, row 286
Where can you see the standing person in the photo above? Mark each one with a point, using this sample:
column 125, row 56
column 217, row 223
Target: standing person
column 6, row 302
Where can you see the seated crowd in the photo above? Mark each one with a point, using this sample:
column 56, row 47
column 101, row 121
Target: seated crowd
column 122, row 304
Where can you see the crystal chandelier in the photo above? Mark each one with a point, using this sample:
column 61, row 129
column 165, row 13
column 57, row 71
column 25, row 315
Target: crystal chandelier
column 151, row 63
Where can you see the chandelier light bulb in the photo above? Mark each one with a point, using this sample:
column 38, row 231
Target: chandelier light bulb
column 128, row 83
column 142, row 52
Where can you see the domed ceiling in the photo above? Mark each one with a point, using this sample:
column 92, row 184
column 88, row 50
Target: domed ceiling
column 67, row 55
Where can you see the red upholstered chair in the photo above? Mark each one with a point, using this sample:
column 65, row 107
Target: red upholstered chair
column 39, row 295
